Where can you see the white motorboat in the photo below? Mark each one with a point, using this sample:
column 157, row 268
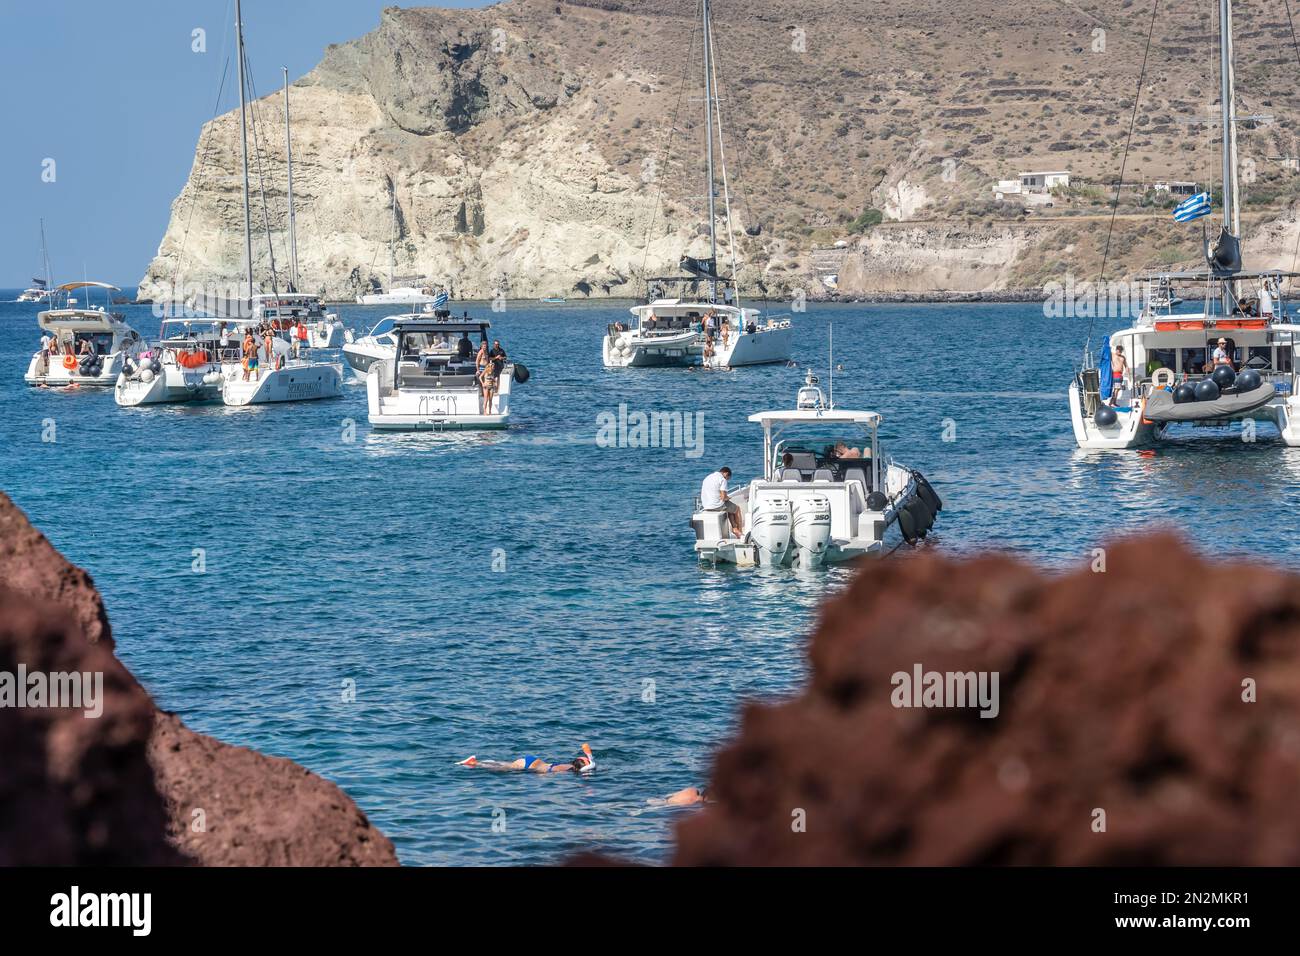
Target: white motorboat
column 84, row 345
column 820, row 499
column 380, row 343
column 400, row 295
column 1175, row 372
column 430, row 382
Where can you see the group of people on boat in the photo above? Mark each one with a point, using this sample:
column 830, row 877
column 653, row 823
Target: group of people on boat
column 1223, row 354
column 488, row 364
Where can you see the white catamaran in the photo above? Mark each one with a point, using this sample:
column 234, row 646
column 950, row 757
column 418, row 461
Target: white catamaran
column 697, row 318
column 1233, row 360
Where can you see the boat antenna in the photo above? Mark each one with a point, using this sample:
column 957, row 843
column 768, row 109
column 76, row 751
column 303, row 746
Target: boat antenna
column 243, row 141
column 830, row 331
column 288, row 155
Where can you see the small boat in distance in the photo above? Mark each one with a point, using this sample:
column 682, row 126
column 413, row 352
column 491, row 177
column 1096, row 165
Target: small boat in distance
column 820, row 499
column 419, row 293
column 430, row 382
column 84, row 345
column 40, row 290
column 553, row 300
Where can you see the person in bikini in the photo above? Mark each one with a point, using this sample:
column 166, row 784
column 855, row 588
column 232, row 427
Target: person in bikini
column 585, row 762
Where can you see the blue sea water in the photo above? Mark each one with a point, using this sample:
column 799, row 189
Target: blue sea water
column 378, row 561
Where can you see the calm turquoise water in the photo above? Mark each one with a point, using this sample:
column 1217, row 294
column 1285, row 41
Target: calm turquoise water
column 372, row 560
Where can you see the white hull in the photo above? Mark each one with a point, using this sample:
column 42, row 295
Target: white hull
column 325, row 335
column 856, row 530
column 630, row 350
column 766, row 345
column 360, row 356
column 53, row 374
column 296, row 382
column 397, row 297
column 173, row 384
column 425, row 409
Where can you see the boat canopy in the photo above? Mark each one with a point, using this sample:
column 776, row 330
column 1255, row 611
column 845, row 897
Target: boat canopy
column 424, row 324
column 818, row 415
column 69, row 286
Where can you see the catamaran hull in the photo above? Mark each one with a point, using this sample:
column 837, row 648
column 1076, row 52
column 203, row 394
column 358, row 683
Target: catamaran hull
column 301, row 383
column 762, row 347
column 632, row 352
column 172, row 386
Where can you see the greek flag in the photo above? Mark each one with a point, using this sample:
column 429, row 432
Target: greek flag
column 1193, row 208
column 440, row 299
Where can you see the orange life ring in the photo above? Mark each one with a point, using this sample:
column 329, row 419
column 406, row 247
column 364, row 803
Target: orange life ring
column 69, row 362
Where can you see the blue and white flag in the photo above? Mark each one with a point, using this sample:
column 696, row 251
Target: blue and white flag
column 440, row 299
column 1193, row 208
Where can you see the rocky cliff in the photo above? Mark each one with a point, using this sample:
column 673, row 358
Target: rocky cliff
column 132, row 784
column 554, row 147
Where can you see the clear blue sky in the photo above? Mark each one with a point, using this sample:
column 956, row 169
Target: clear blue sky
column 114, row 94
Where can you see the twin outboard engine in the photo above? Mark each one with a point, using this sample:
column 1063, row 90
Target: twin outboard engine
column 769, row 530
column 811, row 530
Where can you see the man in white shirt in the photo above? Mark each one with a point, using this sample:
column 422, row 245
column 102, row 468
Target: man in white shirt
column 714, row 497
column 1220, row 356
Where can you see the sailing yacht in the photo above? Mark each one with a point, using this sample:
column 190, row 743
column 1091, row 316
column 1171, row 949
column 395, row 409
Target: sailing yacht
column 41, row 290
column 697, row 317
column 1233, row 360
column 286, row 372
column 396, row 294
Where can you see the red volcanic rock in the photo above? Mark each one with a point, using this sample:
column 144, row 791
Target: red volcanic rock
column 1119, row 692
column 74, row 790
column 123, row 787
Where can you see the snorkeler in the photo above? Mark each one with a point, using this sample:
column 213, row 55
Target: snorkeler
column 584, row 762
column 686, row 797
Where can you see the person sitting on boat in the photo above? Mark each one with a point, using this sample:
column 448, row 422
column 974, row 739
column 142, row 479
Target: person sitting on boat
column 585, row 762
column 87, row 347
column 714, row 497
column 1221, row 356
column 1118, row 368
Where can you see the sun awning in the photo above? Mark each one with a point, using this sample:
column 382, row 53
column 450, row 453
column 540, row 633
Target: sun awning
column 69, row 286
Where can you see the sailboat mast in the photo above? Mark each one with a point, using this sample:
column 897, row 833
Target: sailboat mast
column 1227, row 93
column 288, row 153
column 392, row 244
column 45, row 259
column 708, row 135
column 243, row 141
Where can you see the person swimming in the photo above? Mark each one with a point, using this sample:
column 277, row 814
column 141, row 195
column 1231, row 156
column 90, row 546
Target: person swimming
column 584, row 762
column 686, row 797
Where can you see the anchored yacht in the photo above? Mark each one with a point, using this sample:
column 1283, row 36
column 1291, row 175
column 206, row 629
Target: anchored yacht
column 697, row 318
column 380, row 343
column 1233, row 360
column 826, row 495
column 84, row 345
column 430, row 382
column 40, row 290
column 184, row 365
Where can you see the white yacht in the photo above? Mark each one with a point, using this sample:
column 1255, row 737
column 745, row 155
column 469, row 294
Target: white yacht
column 85, row 345
column 184, row 365
column 702, row 321
column 1175, row 371
column 429, row 383
column 395, row 293
column 826, row 495
column 40, row 290
column 380, row 343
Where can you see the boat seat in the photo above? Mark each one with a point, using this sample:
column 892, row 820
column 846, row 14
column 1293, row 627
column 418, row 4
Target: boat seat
column 823, row 474
column 790, row 474
column 803, row 460
column 858, row 474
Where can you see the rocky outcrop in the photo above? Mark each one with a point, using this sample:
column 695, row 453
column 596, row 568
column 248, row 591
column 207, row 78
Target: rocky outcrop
column 1148, row 713
column 131, row 784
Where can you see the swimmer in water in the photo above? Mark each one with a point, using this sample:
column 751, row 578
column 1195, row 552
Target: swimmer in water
column 686, row 797
column 584, row 762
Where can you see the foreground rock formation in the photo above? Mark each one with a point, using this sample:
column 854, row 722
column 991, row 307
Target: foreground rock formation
column 124, row 787
column 1159, row 699
column 543, row 147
